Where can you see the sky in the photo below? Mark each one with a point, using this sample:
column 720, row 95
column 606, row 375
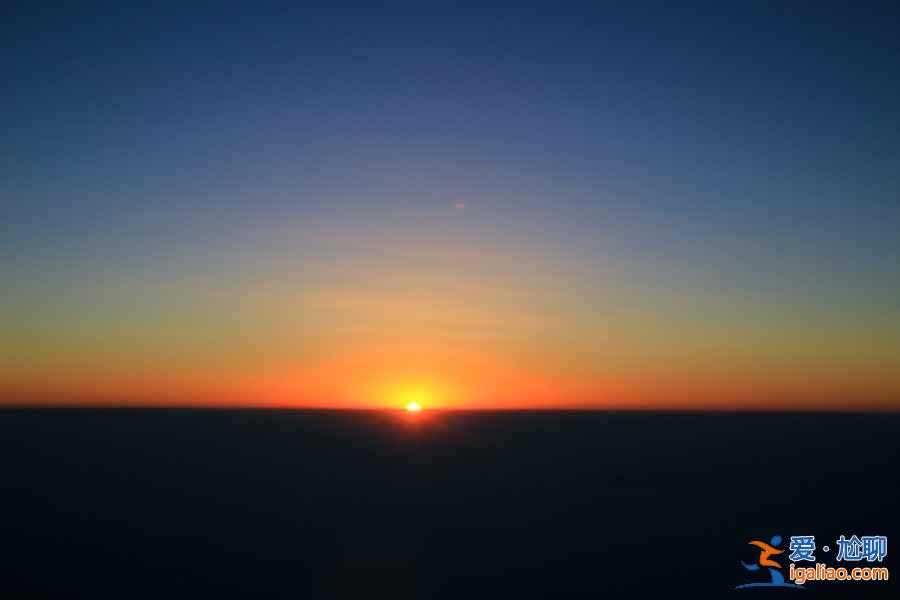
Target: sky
column 475, row 205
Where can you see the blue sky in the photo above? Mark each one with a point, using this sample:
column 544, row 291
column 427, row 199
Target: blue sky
column 742, row 158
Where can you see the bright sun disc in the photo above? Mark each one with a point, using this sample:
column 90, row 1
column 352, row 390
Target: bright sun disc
column 413, row 407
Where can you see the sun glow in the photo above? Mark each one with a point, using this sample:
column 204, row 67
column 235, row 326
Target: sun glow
column 413, row 398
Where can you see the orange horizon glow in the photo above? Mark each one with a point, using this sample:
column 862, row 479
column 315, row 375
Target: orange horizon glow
column 470, row 341
column 397, row 394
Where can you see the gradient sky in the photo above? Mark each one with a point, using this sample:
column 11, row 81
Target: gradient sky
column 489, row 205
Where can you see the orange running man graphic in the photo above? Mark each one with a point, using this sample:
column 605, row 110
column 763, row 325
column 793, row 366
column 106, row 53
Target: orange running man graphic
column 776, row 579
column 767, row 551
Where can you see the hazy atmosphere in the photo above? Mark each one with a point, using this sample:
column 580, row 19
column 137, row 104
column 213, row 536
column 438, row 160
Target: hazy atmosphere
column 519, row 205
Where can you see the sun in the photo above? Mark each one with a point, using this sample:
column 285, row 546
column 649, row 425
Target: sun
column 413, row 398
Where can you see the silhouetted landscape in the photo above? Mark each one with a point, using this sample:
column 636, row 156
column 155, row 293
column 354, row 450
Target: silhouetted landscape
column 292, row 504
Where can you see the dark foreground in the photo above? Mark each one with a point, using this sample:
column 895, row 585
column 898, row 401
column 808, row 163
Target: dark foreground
column 209, row 504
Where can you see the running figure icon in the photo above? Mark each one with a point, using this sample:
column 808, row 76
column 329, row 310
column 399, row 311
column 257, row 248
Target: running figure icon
column 767, row 550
